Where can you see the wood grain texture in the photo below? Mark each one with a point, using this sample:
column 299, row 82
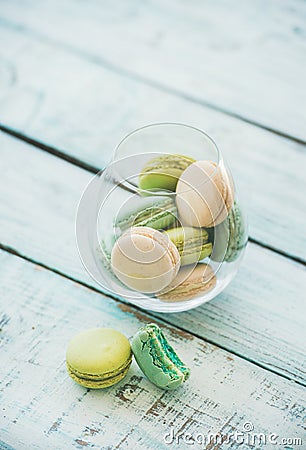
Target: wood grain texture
column 41, row 407
column 260, row 315
column 245, row 59
column 78, row 106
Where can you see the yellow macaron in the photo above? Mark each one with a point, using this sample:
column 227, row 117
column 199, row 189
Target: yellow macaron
column 98, row 358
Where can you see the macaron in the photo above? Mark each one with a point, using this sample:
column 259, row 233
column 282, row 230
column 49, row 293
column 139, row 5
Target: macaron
column 163, row 172
column 189, row 283
column 204, row 194
column 238, row 237
column 157, row 213
column 192, row 243
column 157, row 359
column 230, row 237
column 145, row 259
column 98, row 358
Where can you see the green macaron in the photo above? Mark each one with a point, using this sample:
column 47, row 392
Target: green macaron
column 154, row 212
column 157, row 359
column 163, row 172
column 192, row 243
column 238, row 234
column 229, row 237
column 98, row 358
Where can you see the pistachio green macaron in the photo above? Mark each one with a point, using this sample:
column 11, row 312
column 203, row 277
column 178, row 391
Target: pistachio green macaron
column 157, row 212
column 98, row 358
column 192, row 243
column 230, row 237
column 157, row 359
column 163, row 172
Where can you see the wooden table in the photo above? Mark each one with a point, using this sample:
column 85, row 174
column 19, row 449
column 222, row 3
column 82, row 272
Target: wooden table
column 75, row 77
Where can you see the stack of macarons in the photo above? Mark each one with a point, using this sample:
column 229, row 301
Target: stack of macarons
column 101, row 357
column 185, row 207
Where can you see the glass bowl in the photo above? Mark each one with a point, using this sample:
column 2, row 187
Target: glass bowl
column 161, row 226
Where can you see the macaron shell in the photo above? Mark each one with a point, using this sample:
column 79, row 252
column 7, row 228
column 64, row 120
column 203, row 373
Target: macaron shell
column 152, row 371
column 202, row 195
column 98, row 356
column 163, row 172
column 157, row 213
column 145, row 260
column 157, row 359
column 230, row 188
column 237, row 234
column 189, row 283
column 220, row 238
column 159, row 180
column 230, row 237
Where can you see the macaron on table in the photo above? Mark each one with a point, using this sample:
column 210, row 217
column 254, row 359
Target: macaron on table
column 98, row 358
column 162, row 225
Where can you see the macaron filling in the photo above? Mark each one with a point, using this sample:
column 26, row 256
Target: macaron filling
column 162, row 354
column 102, row 377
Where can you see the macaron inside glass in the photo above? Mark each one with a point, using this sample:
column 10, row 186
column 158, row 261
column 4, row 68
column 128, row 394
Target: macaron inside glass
column 229, row 237
column 163, row 172
column 238, row 235
column 157, row 359
column 189, row 283
column 192, row 243
column 204, row 194
column 98, row 357
column 145, row 259
column 155, row 212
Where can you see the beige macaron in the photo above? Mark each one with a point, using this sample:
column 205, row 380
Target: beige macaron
column 189, row 283
column 205, row 194
column 145, row 259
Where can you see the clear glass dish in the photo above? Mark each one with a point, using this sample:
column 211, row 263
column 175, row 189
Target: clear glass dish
column 113, row 204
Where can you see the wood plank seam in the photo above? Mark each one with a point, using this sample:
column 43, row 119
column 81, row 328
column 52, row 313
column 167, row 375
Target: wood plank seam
column 126, row 306
column 278, row 251
column 92, row 169
column 49, row 149
column 98, row 60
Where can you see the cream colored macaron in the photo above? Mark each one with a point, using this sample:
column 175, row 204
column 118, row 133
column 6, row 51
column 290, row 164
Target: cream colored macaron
column 205, row 194
column 189, row 283
column 145, row 259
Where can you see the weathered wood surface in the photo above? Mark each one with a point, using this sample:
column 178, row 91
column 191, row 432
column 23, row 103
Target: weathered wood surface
column 41, row 311
column 245, row 59
column 40, row 95
column 254, row 317
column 77, row 76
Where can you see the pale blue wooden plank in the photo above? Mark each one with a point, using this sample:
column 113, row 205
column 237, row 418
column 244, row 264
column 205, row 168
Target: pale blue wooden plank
column 45, row 409
column 246, row 59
